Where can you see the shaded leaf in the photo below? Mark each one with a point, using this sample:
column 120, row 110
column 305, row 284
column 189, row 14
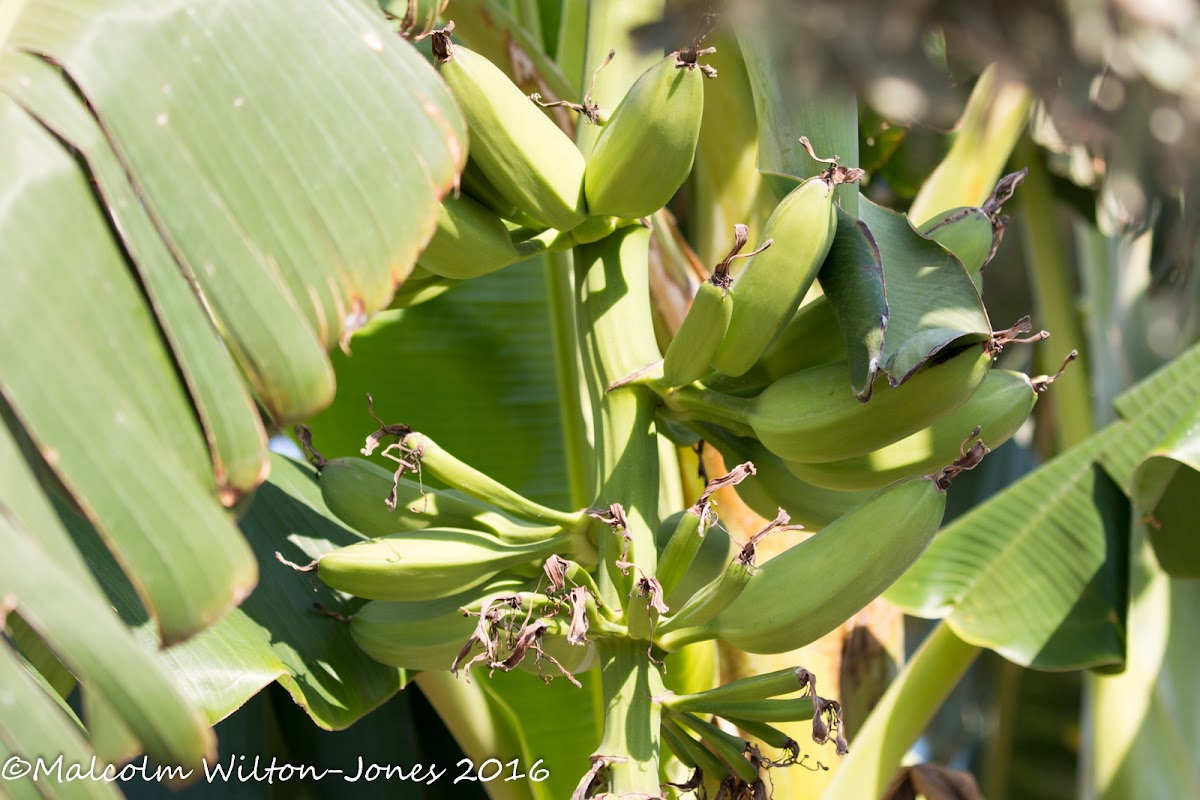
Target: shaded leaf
column 90, row 639
column 1038, row 573
column 853, row 282
column 33, row 726
column 473, row 369
column 931, row 300
column 230, row 419
column 276, row 634
column 1165, row 487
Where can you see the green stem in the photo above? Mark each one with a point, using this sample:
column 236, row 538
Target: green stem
column 902, row 714
column 615, row 338
column 573, row 407
column 631, row 717
column 1049, row 273
column 695, row 403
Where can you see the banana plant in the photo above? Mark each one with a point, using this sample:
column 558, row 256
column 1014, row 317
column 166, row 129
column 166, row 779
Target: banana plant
column 493, row 497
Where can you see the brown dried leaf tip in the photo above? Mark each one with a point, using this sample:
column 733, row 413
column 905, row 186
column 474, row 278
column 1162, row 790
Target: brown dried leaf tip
column 304, row 435
column 721, row 277
column 443, row 48
column 589, row 109
column 827, row 714
column 592, row 781
column 1012, row 335
column 780, row 523
column 409, row 458
column 1042, row 382
column 835, row 174
column 969, row 457
column 687, row 57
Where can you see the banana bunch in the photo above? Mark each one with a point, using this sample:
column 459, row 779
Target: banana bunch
column 994, row 413
column 811, row 336
column 526, row 188
column 732, row 765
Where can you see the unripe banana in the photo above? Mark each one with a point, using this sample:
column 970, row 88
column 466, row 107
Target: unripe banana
column 682, row 576
column 770, row 286
column 423, row 634
column 711, row 599
column 470, row 241
column 754, row 687
column 968, row 234
column 773, row 486
column 645, row 150
column 811, row 588
column 812, row 336
column 812, row 416
column 355, row 490
column 428, row 564
column 474, row 184
column 998, row 408
column 526, row 158
column 690, row 354
column 692, row 753
column 727, row 747
column 716, row 596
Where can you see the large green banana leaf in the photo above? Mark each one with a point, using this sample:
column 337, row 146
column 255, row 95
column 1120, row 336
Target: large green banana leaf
column 1039, row 572
column 474, row 370
column 198, row 200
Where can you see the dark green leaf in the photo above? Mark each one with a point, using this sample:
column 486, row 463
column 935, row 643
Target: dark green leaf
column 931, row 300
column 852, row 279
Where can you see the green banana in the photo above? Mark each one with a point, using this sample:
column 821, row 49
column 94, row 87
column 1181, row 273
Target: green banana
column 812, row 336
column 424, row 634
column 645, row 150
column 430, row 563
column 691, row 555
column 690, row 354
column 421, row 452
column 692, row 753
column 470, row 241
column 355, row 490
column 727, row 747
column 811, row 588
column 712, row 598
column 998, row 408
column 754, row 687
column 530, row 162
column 811, row 415
column 769, row 288
column 773, row 486
column 474, row 184
column 969, row 234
